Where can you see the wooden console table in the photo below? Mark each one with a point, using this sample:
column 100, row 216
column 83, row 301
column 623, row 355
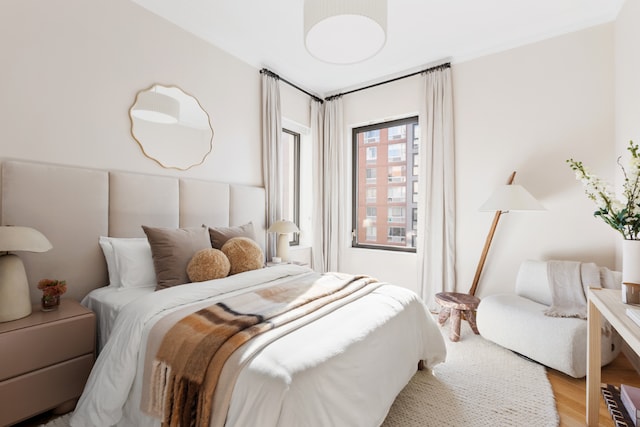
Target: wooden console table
column 607, row 304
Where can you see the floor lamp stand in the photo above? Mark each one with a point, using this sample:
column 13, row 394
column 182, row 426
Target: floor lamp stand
column 487, row 245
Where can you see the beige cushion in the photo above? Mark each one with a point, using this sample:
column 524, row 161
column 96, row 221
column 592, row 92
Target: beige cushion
column 244, row 254
column 220, row 235
column 172, row 249
column 208, row 264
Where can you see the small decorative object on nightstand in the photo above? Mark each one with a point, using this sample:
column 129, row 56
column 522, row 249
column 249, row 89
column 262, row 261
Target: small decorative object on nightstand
column 51, row 292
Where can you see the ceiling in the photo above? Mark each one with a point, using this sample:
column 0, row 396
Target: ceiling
column 420, row 33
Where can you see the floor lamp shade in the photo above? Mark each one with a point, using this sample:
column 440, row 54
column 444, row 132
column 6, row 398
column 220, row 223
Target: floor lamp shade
column 15, row 302
column 505, row 198
column 283, row 228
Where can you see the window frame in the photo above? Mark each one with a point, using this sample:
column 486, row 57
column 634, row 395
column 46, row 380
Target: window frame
column 296, row 184
column 411, row 122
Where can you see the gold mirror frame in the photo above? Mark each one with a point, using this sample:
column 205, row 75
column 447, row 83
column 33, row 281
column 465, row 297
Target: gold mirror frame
column 171, row 127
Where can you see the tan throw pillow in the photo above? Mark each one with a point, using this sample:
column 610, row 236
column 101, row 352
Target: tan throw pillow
column 220, row 235
column 244, row 254
column 208, row 264
column 172, row 249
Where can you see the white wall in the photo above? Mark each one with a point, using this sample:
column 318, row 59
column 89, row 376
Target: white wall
column 527, row 109
column 71, row 70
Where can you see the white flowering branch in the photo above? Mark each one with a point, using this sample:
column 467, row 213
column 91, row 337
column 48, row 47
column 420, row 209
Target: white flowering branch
column 623, row 217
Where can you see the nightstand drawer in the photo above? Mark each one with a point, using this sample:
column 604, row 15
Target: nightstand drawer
column 28, row 349
column 43, row 389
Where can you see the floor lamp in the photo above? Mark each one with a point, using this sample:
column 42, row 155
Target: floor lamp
column 506, row 198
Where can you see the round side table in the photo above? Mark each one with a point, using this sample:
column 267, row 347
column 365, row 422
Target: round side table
column 453, row 305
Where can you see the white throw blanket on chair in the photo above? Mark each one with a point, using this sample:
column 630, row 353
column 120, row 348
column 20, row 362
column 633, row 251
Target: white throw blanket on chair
column 569, row 282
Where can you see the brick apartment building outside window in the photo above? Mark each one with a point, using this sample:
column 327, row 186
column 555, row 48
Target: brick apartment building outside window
column 385, row 205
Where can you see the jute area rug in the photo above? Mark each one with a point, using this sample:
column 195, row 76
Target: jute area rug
column 480, row 385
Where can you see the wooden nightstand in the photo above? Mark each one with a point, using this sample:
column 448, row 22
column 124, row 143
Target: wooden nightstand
column 45, row 360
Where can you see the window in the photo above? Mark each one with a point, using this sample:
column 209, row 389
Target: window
column 372, row 154
column 396, row 194
column 397, row 174
column 398, row 152
column 372, row 212
column 414, row 219
column 416, row 136
column 372, row 233
column 371, row 175
column 398, row 132
column 291, row 178
column 384, row 209
column 396, row 235
column 372, row 136
column 371, row 195
column 396, row 214
column 416, row 164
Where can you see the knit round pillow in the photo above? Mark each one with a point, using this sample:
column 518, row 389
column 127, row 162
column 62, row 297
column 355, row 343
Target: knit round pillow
column 244, row 254
column 208, row 264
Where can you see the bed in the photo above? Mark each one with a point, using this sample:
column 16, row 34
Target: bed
column 345, row 367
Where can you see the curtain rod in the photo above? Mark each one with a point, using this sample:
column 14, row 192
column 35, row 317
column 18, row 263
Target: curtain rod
column 274, row 75
column 434, row 68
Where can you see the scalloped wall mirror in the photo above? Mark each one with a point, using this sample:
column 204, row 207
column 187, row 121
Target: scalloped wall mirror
column 171, row 127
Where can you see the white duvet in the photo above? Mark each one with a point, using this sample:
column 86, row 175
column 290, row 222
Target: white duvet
column 343, row 369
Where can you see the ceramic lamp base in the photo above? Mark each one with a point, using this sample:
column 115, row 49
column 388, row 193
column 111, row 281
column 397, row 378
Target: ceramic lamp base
column 15, row 302
column 282, row 250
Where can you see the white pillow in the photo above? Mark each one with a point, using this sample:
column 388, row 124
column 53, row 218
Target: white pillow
column 131, row 262
column 107, row 250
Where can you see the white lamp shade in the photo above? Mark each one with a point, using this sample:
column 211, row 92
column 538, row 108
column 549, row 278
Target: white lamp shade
column 156, row 107
column 344, row 32
column 511, row 198
column 283, row 227
column 17, row 238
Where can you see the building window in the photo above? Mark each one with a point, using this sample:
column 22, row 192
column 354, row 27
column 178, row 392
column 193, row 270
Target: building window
column 396, row 235
column 398, row 152
column 372, row 136
column 372, row 212
column 396, row 214
column 397, row 132
column 416, row 135
column 397, row 174
column 385, row 222
column 371, row 175
column 372, row 195
column 416, row 164
column 291, row 177
column 372, row 154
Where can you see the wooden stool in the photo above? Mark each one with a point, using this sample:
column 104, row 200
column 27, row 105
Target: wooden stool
column 453, row 305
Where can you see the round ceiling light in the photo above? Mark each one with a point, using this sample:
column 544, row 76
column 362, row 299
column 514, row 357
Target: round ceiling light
column 344, row 32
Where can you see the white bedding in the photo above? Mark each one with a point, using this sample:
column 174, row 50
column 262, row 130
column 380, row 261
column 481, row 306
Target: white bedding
column 344, row 369
column 107, row 302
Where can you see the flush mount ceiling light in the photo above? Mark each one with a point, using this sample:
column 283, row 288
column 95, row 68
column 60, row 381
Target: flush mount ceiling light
column 344, row 32
column 156, row 107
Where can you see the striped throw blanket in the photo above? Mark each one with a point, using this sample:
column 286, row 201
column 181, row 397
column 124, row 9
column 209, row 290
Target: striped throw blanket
column 188, row 363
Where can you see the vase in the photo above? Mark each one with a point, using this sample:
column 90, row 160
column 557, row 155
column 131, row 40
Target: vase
column 631, row 271
column 50, row 303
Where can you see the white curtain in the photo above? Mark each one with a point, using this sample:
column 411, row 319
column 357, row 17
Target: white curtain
column 272, row 155
column 436, row 193
column 329, row 183
column 317, row 132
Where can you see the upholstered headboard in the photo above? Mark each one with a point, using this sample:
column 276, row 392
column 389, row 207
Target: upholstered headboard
column 73, row 207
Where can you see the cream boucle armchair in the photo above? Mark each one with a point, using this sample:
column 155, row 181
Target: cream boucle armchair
column 518, row 322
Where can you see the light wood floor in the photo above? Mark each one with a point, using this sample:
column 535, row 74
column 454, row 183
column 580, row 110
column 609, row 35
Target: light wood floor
column 570, row 393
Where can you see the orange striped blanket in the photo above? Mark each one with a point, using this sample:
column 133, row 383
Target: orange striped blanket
column 186, row 368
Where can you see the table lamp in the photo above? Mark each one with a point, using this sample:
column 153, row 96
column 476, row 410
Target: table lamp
column 15, row 302
column 282, row 228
